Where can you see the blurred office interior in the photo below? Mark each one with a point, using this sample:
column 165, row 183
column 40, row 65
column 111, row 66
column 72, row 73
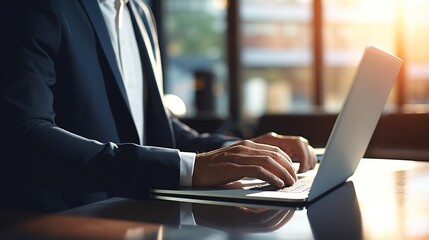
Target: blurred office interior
column 243, row 67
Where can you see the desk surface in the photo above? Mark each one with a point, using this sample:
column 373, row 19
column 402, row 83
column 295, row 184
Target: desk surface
column 385, row 199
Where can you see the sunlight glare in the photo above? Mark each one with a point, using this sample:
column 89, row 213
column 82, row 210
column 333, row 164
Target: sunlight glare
column 379, row 11
column 416, row 11
column 220, row 4
column 175, row 104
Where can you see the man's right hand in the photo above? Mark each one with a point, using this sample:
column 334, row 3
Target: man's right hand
column 244, row 159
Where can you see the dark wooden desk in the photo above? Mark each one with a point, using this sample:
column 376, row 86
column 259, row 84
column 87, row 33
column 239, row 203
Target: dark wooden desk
column 385, row 199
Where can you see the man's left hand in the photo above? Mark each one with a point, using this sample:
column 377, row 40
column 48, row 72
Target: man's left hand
column 296, row 147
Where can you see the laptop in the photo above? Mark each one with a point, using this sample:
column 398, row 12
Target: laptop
column 355, row 124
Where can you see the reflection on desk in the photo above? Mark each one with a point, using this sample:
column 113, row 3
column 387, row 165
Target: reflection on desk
column 123, row 218
column 385, row 199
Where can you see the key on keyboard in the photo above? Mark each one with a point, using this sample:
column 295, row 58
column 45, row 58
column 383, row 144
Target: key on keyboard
column 302, row 185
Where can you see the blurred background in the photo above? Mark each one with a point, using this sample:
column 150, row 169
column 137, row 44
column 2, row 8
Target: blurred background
column 231, row 65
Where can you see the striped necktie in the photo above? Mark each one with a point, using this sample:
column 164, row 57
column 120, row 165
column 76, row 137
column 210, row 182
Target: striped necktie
column 158, row 130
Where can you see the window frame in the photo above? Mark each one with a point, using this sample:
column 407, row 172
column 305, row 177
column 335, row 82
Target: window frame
column 235, row 80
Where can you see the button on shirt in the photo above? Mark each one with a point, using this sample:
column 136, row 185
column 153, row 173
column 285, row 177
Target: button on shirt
column 119, row 25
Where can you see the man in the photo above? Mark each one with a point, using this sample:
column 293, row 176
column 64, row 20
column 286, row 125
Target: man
column 83, row 119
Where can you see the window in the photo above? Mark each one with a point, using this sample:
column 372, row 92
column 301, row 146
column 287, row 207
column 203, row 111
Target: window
column 281, row 68
column 347, row 26
column 415, row 37
column 276, row 57
column 195, row 55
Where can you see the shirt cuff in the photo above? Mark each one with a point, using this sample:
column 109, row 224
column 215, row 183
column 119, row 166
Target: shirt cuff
column 187, row 161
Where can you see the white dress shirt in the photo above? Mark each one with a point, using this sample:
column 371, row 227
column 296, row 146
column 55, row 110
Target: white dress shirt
column 119, row 25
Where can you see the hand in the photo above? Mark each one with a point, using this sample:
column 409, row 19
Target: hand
column 241, row 219
column 244, row 159
column 296, row 147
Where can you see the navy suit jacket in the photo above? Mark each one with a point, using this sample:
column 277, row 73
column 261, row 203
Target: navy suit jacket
column 66, row 127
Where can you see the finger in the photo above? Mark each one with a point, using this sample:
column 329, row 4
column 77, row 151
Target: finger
column 304, row 163
column 261, row 146
column 274, row 152
column 313, row 157
column 256, row 171
column 216, row 167
column 286, row 173
column 265, row 136
column 229, row 172
column 310, row 157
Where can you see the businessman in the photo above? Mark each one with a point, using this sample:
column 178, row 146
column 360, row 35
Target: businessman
column 82, row 117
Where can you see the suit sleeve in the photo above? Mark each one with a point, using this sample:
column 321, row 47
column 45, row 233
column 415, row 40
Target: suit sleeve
column 187, row 139
column 37, row 151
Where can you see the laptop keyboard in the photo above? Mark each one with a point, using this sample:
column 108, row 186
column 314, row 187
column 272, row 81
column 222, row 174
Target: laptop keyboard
column 300, row 186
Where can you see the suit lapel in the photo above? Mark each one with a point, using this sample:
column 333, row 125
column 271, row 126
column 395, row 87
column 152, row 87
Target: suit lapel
column 92, row 9
column 126, row 129
column 158, row 129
